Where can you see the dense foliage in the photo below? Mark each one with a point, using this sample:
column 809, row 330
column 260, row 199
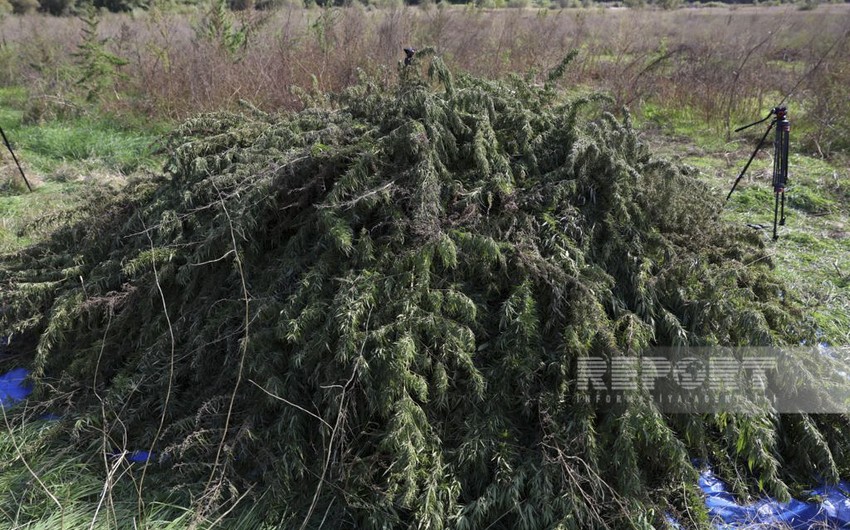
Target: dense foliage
column 369, row 313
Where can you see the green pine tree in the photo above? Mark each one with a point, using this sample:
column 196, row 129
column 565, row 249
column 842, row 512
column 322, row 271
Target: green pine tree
column 99, row 68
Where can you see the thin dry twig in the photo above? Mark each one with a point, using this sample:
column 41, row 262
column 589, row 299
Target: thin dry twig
column 302, row 409
column 170, row 377
column 243, row 345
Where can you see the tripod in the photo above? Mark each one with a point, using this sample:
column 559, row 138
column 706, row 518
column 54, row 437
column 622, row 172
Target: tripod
column 780, row 161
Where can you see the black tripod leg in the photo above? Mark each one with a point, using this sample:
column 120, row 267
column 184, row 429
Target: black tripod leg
column 750, row 161
column 775, row 216
column 9, row 147
column 782, row 211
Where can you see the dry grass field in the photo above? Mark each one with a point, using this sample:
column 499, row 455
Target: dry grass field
column 723, row 64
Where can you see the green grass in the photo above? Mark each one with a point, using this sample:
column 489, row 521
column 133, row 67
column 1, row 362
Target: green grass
column 89, row 141
column 112, row 144
column 25, row 217
column 45, row 485
column 60, row 159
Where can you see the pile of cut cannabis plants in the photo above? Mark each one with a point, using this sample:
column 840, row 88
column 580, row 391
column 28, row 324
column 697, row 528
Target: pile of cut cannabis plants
column 369, row 314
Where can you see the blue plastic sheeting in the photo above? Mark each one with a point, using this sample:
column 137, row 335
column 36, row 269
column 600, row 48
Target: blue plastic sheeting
column 133, row 456
column 139, row 456
column 832, row 509
column 14, row 387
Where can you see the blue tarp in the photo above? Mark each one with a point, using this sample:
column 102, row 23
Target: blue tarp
column 14, row 386
column 831, row 510
column 132, row 456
